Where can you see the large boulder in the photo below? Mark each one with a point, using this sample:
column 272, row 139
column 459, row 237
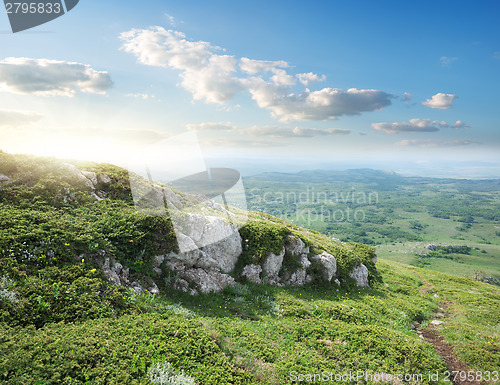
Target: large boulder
column 360, row 275
column 296, row 246
column 272, row 266
column 328, row 263
column 208, row 280
column 299, row 277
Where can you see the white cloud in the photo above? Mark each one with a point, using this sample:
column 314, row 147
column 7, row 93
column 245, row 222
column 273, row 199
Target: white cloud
column 310, row 78
column 51, row 77
column 218, row 78
column 414, row 125
column 206, row 75
column 446, row 61
column 211, row 126
column 214, row 82
column 253, row 67
column 17, row 118
column 279, row 131
column 407, row 96
column 440, row 101
column 435, row 143
column 171, row 20
column 417, row 125
column 325, row 104
column 459, row 124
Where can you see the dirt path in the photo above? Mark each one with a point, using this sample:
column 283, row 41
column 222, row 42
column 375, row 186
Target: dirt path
column 446, row 352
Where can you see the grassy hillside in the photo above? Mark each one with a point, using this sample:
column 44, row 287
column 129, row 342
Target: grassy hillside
column 63, row 322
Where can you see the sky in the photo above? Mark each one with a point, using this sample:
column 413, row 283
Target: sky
column 411, row 87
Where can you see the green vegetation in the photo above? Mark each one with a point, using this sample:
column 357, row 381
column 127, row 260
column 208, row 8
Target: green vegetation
column 63, row 322
column 398, row 215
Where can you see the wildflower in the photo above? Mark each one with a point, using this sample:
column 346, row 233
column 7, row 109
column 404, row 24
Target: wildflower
column 93, row 271
column 83, row 260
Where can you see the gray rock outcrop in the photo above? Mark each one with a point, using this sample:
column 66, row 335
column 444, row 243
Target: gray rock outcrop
column 252, row 273
column 360, row 275
column 328, row 263
column 272, row 266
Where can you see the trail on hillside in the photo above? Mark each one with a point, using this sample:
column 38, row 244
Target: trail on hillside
column 443, row 349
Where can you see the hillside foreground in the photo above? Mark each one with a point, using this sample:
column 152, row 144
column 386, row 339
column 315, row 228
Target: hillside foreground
column 62, row 321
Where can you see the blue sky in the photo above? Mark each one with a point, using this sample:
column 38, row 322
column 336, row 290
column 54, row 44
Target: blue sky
column 285, row 85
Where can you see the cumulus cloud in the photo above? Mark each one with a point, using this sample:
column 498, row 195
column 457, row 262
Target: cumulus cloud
column 279, row 131
column 436, row 143
column 216, row 78
column 310, row 78
column 51, row 77
column 440, row 101
column 459, row 124
column 17, row 118
column 324, row 104
column 211, row 126
column 205, row 74
column 446, row 61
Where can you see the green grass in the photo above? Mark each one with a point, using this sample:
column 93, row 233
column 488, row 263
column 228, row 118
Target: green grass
column 62, row 322
column 260, row 334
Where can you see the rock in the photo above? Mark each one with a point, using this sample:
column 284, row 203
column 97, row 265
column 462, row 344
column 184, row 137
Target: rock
column 225, row 251
column 329, row 265
column 72, row 170
column 4, row 178
column 296, row 246
column 360, row 275
column 94, row 195
column 181, row 284
column 272, row 266
column 172, row 198
column 136, row 287
column 436, row 322
column 103, row 178
column 158, row 260
column 300, row 276
column 117, row 267
column 192, row 226
column 337, row 282
column 153, row 289
column 374, row 259
column 112, row 277
column 124, row 275
column 188, row 259
column 215, row 230
column 157, row 271
column 185, row 243
column 431, row 247
column 208, row 281
column 91, row 176
column 252, row 273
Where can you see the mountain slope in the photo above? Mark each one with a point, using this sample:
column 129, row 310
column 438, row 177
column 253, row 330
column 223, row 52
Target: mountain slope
column 63, row 319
